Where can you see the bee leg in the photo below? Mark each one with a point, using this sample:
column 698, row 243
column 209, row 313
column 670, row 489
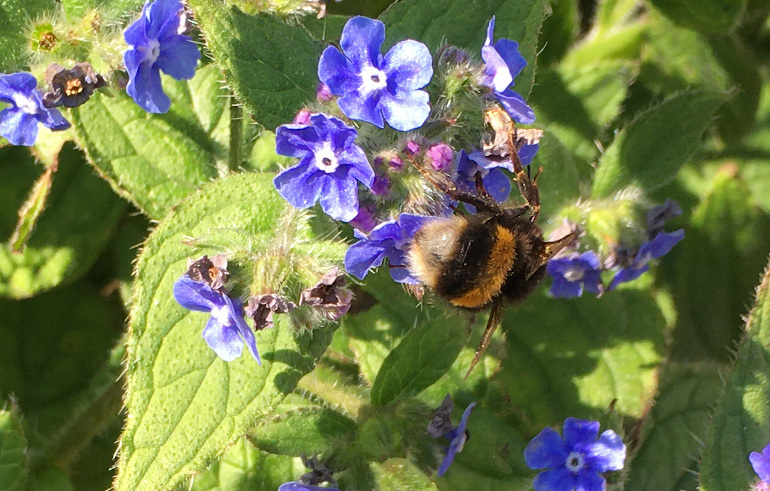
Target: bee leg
column 549, row 250
column 495, row 318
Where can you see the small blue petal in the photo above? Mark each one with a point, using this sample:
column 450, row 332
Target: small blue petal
column 527, row 153
column 516, row 106
column 590, row 480
column 18, row 127
column 408, row 65
column 660, row 245
column 361, row 41
column 339, row 197
column 557, row 479
column 561, row 288
column 546, row 450
column 196, row 295
column 405, row 111
column 224, row 340
column 236, row 316
column 580, row 431
column 608, row 453
column 178, row 57
column 146, row 90
column 19, row 122
column 298, row 486
column 457, row 440
column 363, row 256
column 760, row 462
column 625, row 275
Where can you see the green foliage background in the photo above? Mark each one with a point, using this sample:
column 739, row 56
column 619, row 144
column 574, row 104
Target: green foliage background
column 671, row 97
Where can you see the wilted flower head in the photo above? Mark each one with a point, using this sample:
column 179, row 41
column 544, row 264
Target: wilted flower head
column 441, row 426
column 212, row 271
column 71, row 88
column 761, row 463
column 503, row 63
column 387, row 240
column 329, row 295
column 577, row 460
column 262, row 307
column 330, row 166
column 156, row 44
column 226, row 330
column 571, row 274
column 653, row 249
column 18, row 122
column 372, row 87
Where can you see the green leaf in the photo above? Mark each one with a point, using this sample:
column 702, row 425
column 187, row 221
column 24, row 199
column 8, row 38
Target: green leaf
column 673, row 129
column 724, row 248
column 740, row 424
column 422, row 357
column 50, row 369
column 494, row 460
column 672, row 435
column 31, row 209
column 301, row 430
column 434, row 22
column 49, row 478
column 245, row 468
column 185, row 405
column 80, row 216
column 399, row 473
column 620, row 43
column 579, row 103
column 570, row 357
column 613, row 13
column 559, row 31
column 13, row 447
column 121, row 140
column 271, row 66
column 709, row 16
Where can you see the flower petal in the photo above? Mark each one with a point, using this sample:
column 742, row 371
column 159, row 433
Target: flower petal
column 224, row 340
column 590, row 480
column 607, row 454
column 516, row 106
column 296, row 140
column 580, row 431
column 546, row 450
column 360, row 169
column 497, row 184
column 236, row 315
column 18, row 127
column 405, row 111
column 627, row 274
column 300, row 187
column 561, row 288
column 508, row 50
column 361, row 41
column 196, row 295
column 14, row 83
column 146, row 90
column 334, row 70
column 136, row 33
column 408, row 66
column 178, row 57
column 761, row 465
column 339, row 198
column 363, row 107
column 661, row 244
column 163, row 18
column 362, row 256
column 298, row 486
column 558, row 479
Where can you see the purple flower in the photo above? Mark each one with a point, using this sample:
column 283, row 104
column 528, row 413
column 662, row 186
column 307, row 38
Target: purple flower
column 440, row 156
column 457, row 437
column 157, row 44
column 657, row 247
column 372, row 87
column 18, row 123
column 577, row 460
column 761, row 463
column 574, row 273
column 329, row 169
column 503, row 63
column 226, row 331
column 387, row 240
column 298, row 486
column 658, row 215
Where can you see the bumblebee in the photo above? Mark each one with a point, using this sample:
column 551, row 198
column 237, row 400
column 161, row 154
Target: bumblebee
column 495, row 257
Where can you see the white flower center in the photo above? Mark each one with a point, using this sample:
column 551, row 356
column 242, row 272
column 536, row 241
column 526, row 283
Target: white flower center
column 221, row 314
column 574, row 274
column 574, row 462
column 26, row 104
column 325, row 158
column 373, row 79
column 151, row 51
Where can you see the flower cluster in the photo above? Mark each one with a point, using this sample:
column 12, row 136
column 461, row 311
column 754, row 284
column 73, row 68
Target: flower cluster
column 573, row 273
column 577, row 460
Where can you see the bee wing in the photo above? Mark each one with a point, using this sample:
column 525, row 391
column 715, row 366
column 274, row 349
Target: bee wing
column 495, row 317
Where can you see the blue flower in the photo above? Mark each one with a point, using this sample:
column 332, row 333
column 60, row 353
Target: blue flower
column 372, row 87
column 761, row 463
column 457, row 437
column 18, row 123
column 156, row 44
column 572, row 274
column 503, row 63
column 655, row 248
column 577, row 460
column 387, row 240
column 226, row 330
column 496, row 182
column 658, row 215
column 330, row 166
column 298, row 486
